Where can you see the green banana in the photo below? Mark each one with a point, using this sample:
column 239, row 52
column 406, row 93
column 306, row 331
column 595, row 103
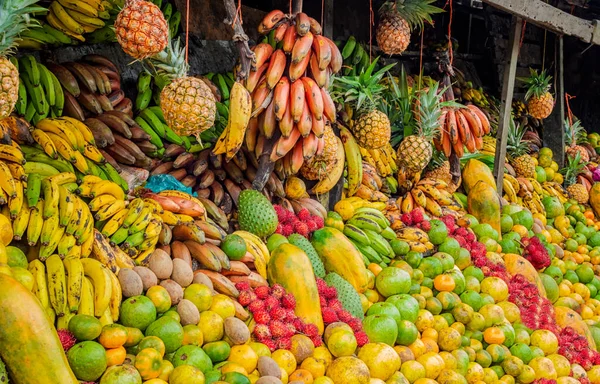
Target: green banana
column 153, row 121
column 28, row 65
column 174, row 22
column 34, row 187
column 356, row 234
column 380, row 244
column 143, row 81
column 167, row 11
column 42, row 169
column 222, row 85
column 143, row 98
column 56, row 34
column 47, row 84
column 172, row 136
column 365, row 223
column 21, row 105
column 59, row 103
column 38, row 35
column 348, row 47
column 35, row 92
column 120, row 236
column 154, row 138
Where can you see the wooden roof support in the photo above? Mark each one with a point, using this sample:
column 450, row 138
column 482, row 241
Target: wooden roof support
column 551, row 18
column 554, row 137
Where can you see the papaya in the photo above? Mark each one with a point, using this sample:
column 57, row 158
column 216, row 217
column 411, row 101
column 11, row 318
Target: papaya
column 475, row 171
column 29, row 344
column 291, row 267
column 595, row 198
column 516, row 264
column 339, row 255
column 483, row 202
column 566, row 317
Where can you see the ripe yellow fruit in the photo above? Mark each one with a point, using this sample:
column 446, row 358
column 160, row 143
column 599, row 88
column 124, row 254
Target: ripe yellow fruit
column 381, row 359
column 545, row 340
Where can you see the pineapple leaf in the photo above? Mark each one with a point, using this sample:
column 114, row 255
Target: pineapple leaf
column 537, row 84
column 415, row 12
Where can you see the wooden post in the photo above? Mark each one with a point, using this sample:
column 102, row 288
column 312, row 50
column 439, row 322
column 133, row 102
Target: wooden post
column 508, row 87
column 328, row 19
column 554, row 137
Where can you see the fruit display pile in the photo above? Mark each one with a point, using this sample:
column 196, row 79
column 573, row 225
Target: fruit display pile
column 180, row 236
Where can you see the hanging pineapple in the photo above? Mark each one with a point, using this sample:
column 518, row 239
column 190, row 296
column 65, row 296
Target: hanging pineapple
column 574, row 167
column 574, row 135
column 398, row 19
column 518, row 151
column 14, row 19
column 539, row 101
column 188, row 104
column 362, row 93
column 141, row 29
column 415, row 151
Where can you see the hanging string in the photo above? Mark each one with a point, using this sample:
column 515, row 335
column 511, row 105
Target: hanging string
column 291, row 6
column 421, row 53
column 187, row 28
column 569, row 112
column 522, row 35
column 238, row 13
column 544, row 51
column 322, row 12
column 371, row 23
column 450, row 52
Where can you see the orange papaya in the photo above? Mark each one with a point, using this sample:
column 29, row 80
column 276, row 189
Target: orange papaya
column 339, row 255
column 291, row 267
column 516, row 264
column 475, row 171
column 29, row 344
column 566, row 317
column 483, row 202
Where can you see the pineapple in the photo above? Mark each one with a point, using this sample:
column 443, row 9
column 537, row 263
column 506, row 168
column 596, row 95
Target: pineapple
column 362, row 93
column 539, row 101
column 415, row 151
column 398, row 19
column 575, row 134
column 14, row 19
column 319, row 166
column 517, row 151
column 188, row 104
column 141, row 29
column 439, row 169
column 577, row 191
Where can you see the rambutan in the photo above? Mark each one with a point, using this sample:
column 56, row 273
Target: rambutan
column 256, row 306
column 287, row 230
column 321, row 285
column 312, row 226
column 322, row 301
column 355, row 324
column 245, row 298
column 262, row 331
column 261, row 317
column 298, row 324
column 262, row 292
column 335, row 304
column 329, row 315
column 317, row 341
column 345, row 316
column 288, row 301
column 278, row 328
column 279, row 228
column 280, row 211
column 278, row 313
column 406, row 219
column 301, row 228
column 290, row 330
column 67, row 339
column 284, row 343
column 270, row 343
column 271, row 302
column 277, row 291
column 311, row 330
column 303, row 214
column 425, row 225
column 416, row 215
column 242, row 286
column 318, row 221
column 361, row 338
column 330, row 293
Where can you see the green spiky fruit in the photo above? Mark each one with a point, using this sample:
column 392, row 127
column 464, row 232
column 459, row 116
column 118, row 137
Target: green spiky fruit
column 305, row 245
column 256, row 213
column 347, row 295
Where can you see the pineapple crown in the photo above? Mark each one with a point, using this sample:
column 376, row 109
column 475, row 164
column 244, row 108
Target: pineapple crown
column 169, row 64
column 574, row 167
column 537, row 83
column 15, row 19
column 515, row 145
column 428, row 110
column 396, row 104
column 362, row 92
column 574, row 133
column 415, row 12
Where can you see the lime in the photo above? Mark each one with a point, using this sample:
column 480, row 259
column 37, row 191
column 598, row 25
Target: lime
column 553, row 206
column 585, row 273
column 485, row 230
column 407, row 333
column 472, row 298
column 235, row 378
column 446, row 260
column 192, row 355
column 381, row 329
column 431, row 267
column 392, row 281
column 137, row 312
column 400, row 247
column 571, row 276
column 87, row 360
column 450, row 246
column 121, row 374
column 383, row 308
column 594, row 240
column 413, row 258
column 554, row 272
column 200, row 295
column 438, row 232
column 85, row 327
column 464, row 259
column 514, row 236
column 407, row 305
column 509, row 246
column 506, row 223
column 235, row 247
column 540, row 174
column 188, row 374
column 217, row 351
column 474, row 271
column 169, row 331
column 524, row 218
column 274, row 241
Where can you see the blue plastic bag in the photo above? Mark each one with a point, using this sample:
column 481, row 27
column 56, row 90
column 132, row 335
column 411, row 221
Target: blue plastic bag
column 159, row 183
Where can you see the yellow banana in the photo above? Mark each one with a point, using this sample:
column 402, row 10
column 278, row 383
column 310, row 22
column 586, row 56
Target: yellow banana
column 353, row 160
column 103, row 252
column 75, row 276
column 334, row 175
column 108, row 187
column 107, row 211
column 240, row 109
column 419, row 197
column 75, row 252
column 79, row 126
column 7, row 181
column 93, row 154
column 114, row 223
column 63, row 178
column 99, row 275
column 509, row 190
column 142, row 221
column 16, row 203
column 86, row 302
column 21, row 222
column 61, row 130
column 250, row 237
column 66, row 206
column 36, row 222
column 116, row 296
column 433, row 207
column 40, row 284
column 57, row 284
column 45, row 142
column 169, row 218
column 12, row 154
column 65, row 18
column 87, row 246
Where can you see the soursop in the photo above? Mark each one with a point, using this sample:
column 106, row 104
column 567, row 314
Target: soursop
column 305, row 245
column 347, row 295
column 256, row 213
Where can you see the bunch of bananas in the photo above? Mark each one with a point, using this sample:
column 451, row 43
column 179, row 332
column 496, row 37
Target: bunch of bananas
column 40, row 38
column 519, row 109
column 75, row 18
column 216, row 181
column 373, row 187
column 489, row 146
column 222, row 85
column 526, row 192
column 552, row 188
column 369, row 230
column 355, row 57
column 432, row 196
column 384, row 159
column 70, row 286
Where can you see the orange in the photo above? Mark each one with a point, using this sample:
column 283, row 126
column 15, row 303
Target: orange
column 430, row 333
column 115, row 356
column 449, row 339
column 493, row 335
column 166, row 367
column 245, row 356
column 301, row 375
column 233, row 367
column 315, row 366
column 192, row 335
column 159, row 297
column 113, row 336
column 285, row 359
column 134, row 336
column 405, row 353
column 372, row 295
column 153, row 342
column 431, row 345
column 418, row 348
column 444, row 283
column 223, row 306
column 148, row 363
column 433, row 363
column 375, row 268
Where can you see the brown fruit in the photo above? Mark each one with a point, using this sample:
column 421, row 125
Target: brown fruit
column 148, row 277
column 160, row 263
column 268, row 367
column 236, row 330
column 131, row 282
column 201, row 278
column 174, row 289
column 269, row 380
column 302, row 347
column 182, row 273
column 188, row 312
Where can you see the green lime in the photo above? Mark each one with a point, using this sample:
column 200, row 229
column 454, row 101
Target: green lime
column 472, row 298
column 212, row 376
column 235, row 378
column 438, row 232
column 274, row 241
column 407, row 305
column 200, row 295
column 87, row 360
column 383, row 308
column 392, row 281
column 152, row 342
column 431, row 267
column 506, row 223
column 413, row 258
column 137, row 312
column 524, row 218
column 464, row 259
column 450, row 246
column 169, row 331
column 571, row 276
column 400, row 247
column 594, row 240
column 85, row 327
column 381, row 329
column 540, row 174
column 446, row 260
column 235, row 247
column 514, row 236
column 192, row 355
column 485, row 230
column 407, row 333
column 585, row 273
column 554, row 272
column 474, row 271
column 491, row 245
column 16, row 257
column 121, row 374
column 217, row 351
column 509, row 246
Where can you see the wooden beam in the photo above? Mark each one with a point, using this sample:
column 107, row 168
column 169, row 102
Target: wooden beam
column 328, row 19
column 554, row 137
column 551, row 18
column 508, row 87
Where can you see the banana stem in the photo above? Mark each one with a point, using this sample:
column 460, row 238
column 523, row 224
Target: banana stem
column 241, row 40
column 298, row 6
column 265, row 165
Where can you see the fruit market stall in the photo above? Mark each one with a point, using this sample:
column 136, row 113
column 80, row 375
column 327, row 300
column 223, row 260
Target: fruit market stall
column 162, row 218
